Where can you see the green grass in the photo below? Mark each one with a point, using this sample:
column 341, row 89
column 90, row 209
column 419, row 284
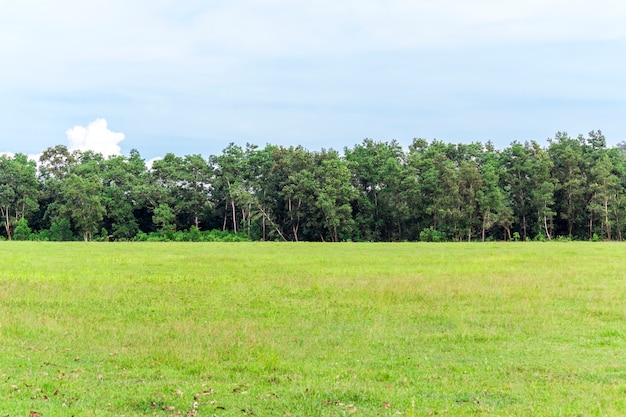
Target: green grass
column 269, row 329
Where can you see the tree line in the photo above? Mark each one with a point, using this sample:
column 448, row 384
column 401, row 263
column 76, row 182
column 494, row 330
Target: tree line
column 573, row 188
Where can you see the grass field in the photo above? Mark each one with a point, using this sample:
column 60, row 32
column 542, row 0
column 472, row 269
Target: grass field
column 270, row 329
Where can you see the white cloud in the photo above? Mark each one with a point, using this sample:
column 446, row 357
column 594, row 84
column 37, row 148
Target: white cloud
column 96, row 137
column 151, row 162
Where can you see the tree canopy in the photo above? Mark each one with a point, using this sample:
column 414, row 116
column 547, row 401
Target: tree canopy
column 572, row 188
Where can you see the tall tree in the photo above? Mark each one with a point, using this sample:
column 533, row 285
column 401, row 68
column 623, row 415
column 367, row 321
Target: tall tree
column 568, row 173
column 18, row 190
column 470, row 185
column 516, row 160
column 121, row 178
column 542, row 192
column 377, row 169
column 335, row 196
column 294, row 171
column 604, row 187
column 82, row 202
column 491, row 197
column 227, row 168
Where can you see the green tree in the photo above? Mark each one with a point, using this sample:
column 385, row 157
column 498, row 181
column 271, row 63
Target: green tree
column 22, row 230
column 82, row 203
column 568, row 173
column 470, row 187
column 378, row 172
column 516, row 160
column 296, row 188
column 61, row 230
column 56, row 162
column 335, row 196
column 227, row 169
column 542, row 192
column 195, row 184
column 183, row 184
column 491, row 197
column 165, row 218
column 18, row 190
column 257, row 193
column 604, row 187
column 121, row 179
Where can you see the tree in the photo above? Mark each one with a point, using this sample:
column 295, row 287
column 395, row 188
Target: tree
column 22, row 231
column 378, row 172
column 568, row 174
column 56, row 162
column 517, row 181
column 227, row 168
column 257, row 193
column 335, row 196
column 470, row 184
column 83, row 203
column 542, row 192
column 18, row 190
column 196, row 185
column 492, row 206
column 183, row 184
column 295, row 191
column 164, row 217
column 121, row 179
column 604, row 187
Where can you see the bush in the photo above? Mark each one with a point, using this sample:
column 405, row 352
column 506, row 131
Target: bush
column 192, row 235
column 22, row 231
column 60, row 230
column 431, row 235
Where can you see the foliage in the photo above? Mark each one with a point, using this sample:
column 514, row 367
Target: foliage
column 192, row 235
column 18, row 190
column 22, row 231
column 374, row 191
column 431, row 235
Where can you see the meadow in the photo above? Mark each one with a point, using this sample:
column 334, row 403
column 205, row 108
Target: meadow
column 311, row 329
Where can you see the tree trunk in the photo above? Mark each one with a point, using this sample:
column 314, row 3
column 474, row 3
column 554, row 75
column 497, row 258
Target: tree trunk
column 606, row 219
column 482, row 232
column 264, row 232
column 7, row 221
column 545, row 226
column 224, row 224
column 232, row 203
column 508, row 232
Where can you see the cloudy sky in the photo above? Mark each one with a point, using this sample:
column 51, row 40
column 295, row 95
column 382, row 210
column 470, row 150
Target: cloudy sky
column 190, row 76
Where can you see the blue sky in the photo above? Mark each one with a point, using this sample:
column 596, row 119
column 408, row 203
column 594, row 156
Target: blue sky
column 191, row 76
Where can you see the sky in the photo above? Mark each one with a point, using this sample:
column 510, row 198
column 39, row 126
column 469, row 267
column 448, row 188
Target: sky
column 191, row 76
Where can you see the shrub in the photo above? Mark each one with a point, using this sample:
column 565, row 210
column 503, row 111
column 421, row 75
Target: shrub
column 22, row 231
column 432, row 235
column 60, row 230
